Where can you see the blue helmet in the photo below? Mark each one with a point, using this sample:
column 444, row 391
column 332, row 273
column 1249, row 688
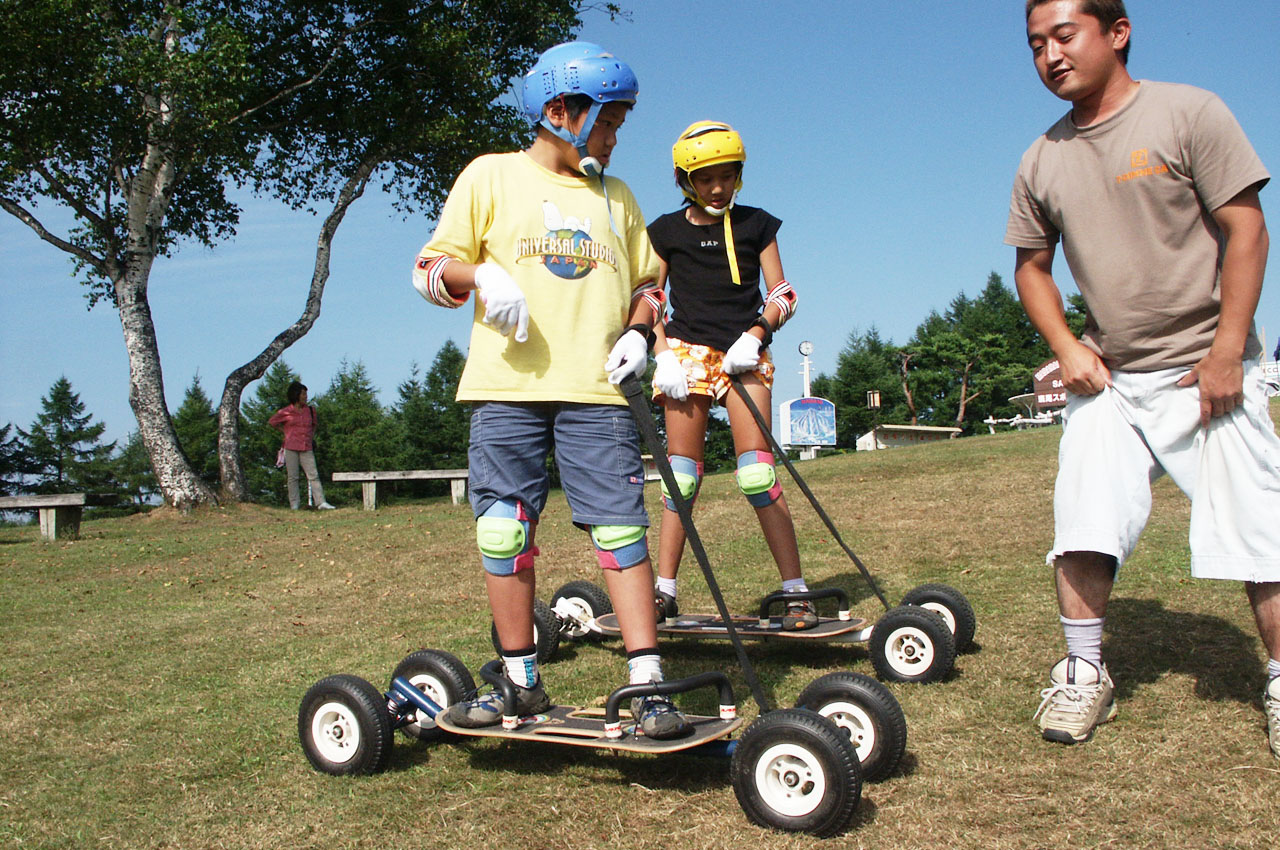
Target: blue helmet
column 577, row 67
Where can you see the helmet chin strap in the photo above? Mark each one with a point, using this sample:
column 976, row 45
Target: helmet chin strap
column 587, row 164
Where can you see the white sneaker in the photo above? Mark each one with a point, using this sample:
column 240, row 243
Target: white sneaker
column 325, row 506
column 1271, row 705
column 1079, row 698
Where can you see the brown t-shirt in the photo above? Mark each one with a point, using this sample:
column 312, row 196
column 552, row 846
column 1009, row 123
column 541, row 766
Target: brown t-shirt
column 1132, row 199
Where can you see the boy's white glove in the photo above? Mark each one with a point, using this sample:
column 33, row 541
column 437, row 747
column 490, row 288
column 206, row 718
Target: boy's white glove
column 629, row 356
column 504, row 305
column 669, row 377
column 742, row 356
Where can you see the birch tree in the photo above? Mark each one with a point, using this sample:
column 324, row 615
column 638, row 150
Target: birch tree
column 137, row 117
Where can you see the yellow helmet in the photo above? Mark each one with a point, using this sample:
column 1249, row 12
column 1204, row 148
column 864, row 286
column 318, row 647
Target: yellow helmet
column 705, row 143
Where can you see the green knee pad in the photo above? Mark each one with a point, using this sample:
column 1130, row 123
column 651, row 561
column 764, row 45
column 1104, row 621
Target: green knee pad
column 620, row 546
column 499, row 536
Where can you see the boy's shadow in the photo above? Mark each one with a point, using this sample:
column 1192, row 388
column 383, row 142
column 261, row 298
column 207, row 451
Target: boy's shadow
column 1145, row 641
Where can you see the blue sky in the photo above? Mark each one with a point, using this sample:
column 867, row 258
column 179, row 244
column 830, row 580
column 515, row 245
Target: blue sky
column 885, row 135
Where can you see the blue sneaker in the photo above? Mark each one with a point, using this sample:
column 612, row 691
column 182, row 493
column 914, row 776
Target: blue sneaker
column 486, row 710
column 659, row 718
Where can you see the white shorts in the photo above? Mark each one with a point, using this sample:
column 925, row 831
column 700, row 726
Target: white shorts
column 1116, row 443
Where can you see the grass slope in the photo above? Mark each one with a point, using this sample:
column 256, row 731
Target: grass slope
column 150, row 675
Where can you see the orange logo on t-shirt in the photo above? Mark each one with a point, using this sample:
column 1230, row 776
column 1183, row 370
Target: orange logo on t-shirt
column 1138, row 167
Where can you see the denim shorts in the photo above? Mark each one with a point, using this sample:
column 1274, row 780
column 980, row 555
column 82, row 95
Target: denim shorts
column 597, row 450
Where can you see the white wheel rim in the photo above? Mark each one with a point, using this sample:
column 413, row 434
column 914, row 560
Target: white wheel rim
column 909, row 651
column 854, row 722
column 790, row 780
column 945, row 612
column 335, row 731
column 581, row 608
column 433, row 688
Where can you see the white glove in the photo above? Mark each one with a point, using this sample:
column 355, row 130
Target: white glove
column 629, row 356
column 669, row 377
column 742, row 356
column 504, row 304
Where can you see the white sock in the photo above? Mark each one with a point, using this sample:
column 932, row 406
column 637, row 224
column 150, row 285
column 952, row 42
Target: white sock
column 643, row 669
column 667, row 586
column 521, row 669
column 1273, row 668
column 1084, row 639
column 794, row 585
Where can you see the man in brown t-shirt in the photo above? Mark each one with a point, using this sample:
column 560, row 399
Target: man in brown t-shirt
column 1153, row 190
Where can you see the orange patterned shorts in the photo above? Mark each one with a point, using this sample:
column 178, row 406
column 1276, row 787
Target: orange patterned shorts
column 703, row 364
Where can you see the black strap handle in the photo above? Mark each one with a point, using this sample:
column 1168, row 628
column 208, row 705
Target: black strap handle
column 780, row 453
column 649, row 430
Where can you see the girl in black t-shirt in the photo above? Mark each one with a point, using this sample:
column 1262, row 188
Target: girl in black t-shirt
column 713, row 253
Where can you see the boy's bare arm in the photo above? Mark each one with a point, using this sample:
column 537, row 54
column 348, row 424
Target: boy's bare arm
column 1083, row 371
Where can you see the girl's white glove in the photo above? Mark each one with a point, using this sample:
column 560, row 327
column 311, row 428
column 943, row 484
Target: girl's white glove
column 669, row 377
column 742, row 356
column 630, row 355
column 504, row 306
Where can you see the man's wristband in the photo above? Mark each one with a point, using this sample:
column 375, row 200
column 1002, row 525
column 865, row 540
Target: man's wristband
column 645, row 331
column 763, row 323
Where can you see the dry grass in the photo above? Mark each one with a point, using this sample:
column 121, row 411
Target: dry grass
column 150, row 676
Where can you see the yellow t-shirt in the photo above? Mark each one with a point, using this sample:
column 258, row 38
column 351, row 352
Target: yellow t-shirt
column 552, row 234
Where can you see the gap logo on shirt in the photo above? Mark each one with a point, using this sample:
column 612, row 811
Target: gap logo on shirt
column 567, row 250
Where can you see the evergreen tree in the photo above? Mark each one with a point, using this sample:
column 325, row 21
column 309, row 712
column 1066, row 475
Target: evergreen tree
column 967, row 363
column 259, row 442
column 436, row 427
column 62, row 451
column 867, row 363
column 11, row 462
column 133, row 472
column 354, row 432
column 196, row 423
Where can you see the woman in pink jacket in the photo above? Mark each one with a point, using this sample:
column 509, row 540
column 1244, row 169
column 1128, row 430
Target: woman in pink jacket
column 297, row 420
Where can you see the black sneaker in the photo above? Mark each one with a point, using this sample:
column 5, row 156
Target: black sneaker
column 486, row 710
column 665, row 607
column 659, row 718
column 801, row 614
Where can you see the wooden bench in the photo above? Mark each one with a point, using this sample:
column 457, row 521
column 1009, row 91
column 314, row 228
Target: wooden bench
column 457, row 479
column 59, row 512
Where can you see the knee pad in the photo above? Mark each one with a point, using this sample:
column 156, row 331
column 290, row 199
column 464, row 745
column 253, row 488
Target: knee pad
column 504, row 534
column 688, row 475
column 619, row 546
column 757, row 478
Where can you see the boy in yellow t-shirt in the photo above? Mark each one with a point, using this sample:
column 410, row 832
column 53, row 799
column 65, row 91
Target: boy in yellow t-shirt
column 564, row 275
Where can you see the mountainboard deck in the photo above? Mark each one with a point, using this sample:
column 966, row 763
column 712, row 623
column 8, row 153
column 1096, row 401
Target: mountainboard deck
column 748, row 628
column 584, row 727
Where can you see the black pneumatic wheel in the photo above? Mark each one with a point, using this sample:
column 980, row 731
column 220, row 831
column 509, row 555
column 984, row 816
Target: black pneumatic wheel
column 546, row 632
column 912, row 644
column 794, row 770
column 587, row 600
column 867, row 713
column 440, row 676
column 344, row 726
column 953, row 607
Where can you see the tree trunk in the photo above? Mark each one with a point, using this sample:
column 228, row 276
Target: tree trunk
column 149, row 191
column 906, row 388
column 235, row 487
column 965, row 398
column 179, row 484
